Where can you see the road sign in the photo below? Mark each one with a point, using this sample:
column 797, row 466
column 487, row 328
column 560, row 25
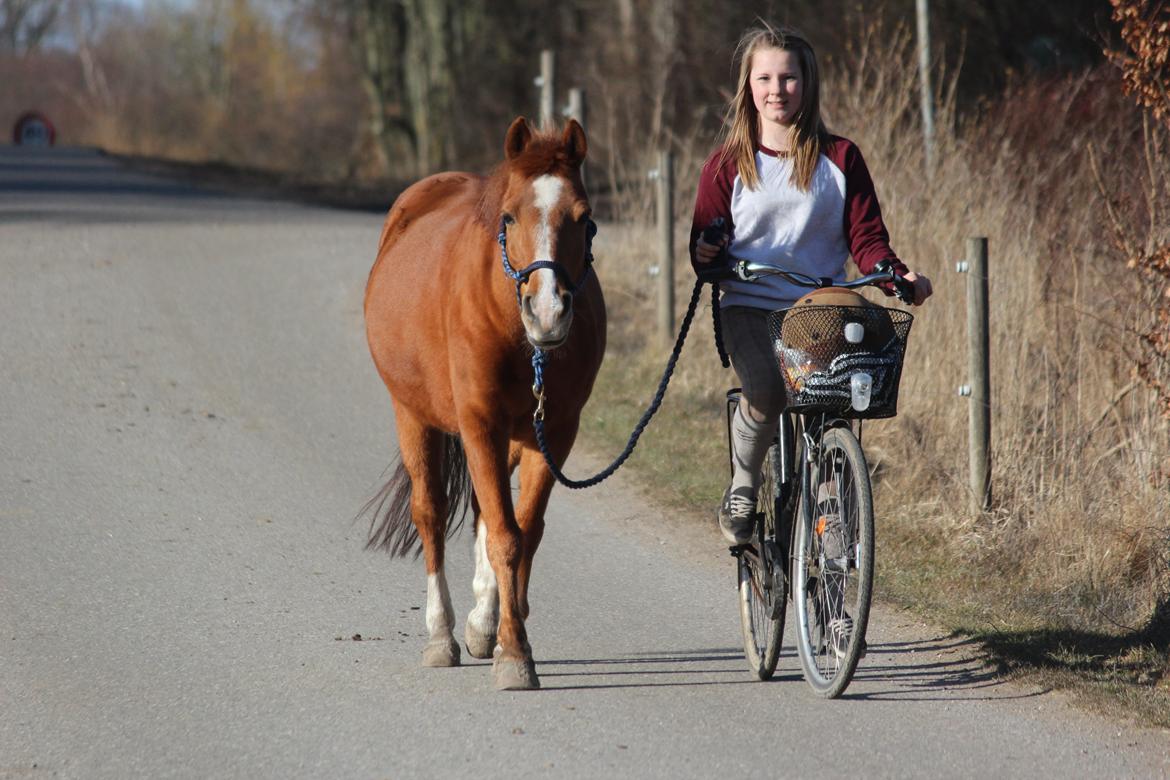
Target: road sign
column 33, row 129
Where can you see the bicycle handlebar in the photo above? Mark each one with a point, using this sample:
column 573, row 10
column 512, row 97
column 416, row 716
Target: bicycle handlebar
column 748, row 271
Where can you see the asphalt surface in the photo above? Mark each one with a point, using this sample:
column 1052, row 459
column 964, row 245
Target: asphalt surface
column 189, row 421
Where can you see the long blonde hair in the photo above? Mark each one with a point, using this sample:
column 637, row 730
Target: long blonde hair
column 742, row 121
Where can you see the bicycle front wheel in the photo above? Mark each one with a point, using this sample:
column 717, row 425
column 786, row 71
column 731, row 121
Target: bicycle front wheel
column 762, row 586
column 832, row 563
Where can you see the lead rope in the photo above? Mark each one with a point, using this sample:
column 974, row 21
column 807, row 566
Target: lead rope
column 538, row 392
column 718, row 325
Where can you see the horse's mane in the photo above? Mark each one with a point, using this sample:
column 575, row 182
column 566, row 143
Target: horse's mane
column 544, row 154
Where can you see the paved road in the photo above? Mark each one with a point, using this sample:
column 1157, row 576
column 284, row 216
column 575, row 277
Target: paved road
column 188, row 422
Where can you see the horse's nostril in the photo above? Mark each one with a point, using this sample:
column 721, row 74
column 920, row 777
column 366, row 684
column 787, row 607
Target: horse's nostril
column 526, row 306
column 566, row 300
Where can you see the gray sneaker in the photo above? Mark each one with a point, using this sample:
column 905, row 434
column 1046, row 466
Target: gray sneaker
column 737, row 519
column 840, row 629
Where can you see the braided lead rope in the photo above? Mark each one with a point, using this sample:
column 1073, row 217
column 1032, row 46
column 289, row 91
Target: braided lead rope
column 718, row 324
column 538, row 416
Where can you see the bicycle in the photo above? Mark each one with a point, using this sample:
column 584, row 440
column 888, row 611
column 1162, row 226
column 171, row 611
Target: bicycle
column 815, row 526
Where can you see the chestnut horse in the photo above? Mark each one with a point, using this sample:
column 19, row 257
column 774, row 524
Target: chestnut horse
column 452, row 337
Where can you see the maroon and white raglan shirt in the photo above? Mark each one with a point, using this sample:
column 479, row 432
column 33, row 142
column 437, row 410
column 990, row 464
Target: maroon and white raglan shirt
column 812, row 232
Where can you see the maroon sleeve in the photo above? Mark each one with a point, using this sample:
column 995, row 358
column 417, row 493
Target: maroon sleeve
column 713, row 199
column 865, row 232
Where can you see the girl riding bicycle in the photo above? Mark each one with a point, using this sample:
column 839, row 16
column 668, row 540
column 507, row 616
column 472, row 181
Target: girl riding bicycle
column 785, row 189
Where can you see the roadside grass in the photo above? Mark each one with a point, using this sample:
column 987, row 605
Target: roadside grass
column 682, row 456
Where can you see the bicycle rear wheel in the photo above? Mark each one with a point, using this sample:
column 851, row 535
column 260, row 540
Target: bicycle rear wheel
column 763, row 589
column 832, row 563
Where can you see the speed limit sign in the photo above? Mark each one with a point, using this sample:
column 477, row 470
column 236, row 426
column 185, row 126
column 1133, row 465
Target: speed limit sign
column 33, row 129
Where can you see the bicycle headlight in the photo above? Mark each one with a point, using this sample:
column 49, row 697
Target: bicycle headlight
column 860, row 387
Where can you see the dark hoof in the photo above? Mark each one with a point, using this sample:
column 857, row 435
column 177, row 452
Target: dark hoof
column 515, row 674
column 478, row 645
column 441, row 652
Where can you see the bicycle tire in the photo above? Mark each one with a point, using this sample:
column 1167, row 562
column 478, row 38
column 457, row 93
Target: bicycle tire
column 763, row 590
column 832, row 562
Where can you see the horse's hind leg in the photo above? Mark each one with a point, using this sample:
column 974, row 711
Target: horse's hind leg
column 422, row 455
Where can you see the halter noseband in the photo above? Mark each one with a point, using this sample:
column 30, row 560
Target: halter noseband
column 521, row 276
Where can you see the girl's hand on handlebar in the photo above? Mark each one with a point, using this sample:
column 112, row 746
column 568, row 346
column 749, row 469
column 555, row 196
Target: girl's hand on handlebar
column 922, row 287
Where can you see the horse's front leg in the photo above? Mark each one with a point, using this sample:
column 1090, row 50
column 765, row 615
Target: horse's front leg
column 479, row 633
column 536, row 484
column 487, row 460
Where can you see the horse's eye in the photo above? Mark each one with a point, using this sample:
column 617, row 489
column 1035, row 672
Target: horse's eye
column 509, row 219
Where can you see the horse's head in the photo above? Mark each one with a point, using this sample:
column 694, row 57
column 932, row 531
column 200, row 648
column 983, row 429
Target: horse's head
column 546, row 213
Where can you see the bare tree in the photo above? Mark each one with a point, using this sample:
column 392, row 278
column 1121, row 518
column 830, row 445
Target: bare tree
column 429, row 71
column 25, row 23
column 82, row 17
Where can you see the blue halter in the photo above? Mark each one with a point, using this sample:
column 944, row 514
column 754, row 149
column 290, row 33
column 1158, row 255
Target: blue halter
column 521, row 276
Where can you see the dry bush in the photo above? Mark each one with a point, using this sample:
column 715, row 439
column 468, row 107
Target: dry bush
column 1081, row 521
column 1141, row 234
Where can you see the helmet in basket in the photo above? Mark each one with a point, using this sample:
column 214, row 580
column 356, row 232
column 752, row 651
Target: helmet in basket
column 816, row 324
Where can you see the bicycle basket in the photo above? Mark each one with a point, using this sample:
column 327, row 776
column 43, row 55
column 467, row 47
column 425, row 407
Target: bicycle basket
column 820, row 348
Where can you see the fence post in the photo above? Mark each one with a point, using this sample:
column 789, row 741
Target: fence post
column 979, row 368
column 547, row 87
column 576, row 110
column 665, row 180
column 926, row 96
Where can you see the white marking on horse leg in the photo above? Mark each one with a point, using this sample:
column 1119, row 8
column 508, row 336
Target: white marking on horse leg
column 440, row 613
column 485, row 617
column 546, row 305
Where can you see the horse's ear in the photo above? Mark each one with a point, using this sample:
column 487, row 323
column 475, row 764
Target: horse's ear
column 519, row 134
column 574, row 142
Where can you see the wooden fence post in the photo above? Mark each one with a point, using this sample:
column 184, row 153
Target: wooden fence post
column 926, row 96
column 665, row 204
column 979, row 368
column 547, row 87
column 576, row 110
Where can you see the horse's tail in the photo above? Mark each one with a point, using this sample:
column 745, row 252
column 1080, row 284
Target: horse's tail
column 391, row 527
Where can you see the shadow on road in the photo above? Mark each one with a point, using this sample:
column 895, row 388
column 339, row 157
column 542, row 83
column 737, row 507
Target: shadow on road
column 725, row 660
column 938, row 669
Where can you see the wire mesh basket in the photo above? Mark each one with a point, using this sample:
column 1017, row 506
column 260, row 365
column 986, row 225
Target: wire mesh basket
column 821, row 348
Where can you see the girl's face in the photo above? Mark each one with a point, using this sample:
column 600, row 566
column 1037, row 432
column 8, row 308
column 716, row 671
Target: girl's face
column 777, row 86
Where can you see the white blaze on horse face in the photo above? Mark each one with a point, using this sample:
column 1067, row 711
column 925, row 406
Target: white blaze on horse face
column 486, row 613
column 546, row 304
column 440, row 613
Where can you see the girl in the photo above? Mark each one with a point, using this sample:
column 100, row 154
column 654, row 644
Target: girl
column 788, row 194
